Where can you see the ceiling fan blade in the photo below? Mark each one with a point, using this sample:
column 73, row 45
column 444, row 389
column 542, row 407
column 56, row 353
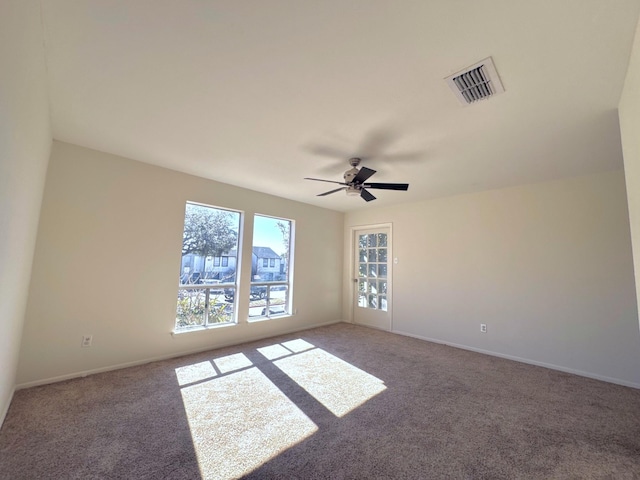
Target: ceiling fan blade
column 366, row 195
column 320, row 180
column 331, row 191
column 363, row 174
column 387, row 186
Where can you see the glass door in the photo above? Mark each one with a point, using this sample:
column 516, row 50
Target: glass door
column 372, row 280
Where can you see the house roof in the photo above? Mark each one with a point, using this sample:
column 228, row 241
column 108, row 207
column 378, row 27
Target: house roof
column 260, row 252
column 264, row 252
column 262, row 94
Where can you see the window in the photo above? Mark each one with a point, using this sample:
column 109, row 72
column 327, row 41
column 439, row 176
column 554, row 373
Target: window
column 206, row 289
column 271, row 290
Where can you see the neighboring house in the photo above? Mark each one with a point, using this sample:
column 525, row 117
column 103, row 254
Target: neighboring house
column 199, row 266
column 266, row 265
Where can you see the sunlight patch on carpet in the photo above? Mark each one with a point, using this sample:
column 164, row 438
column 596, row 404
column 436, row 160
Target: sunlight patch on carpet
column 231, row 363
column 240, row 421
column 274, row 351
column 336, row 384
column 195, row 373
column 298, row 345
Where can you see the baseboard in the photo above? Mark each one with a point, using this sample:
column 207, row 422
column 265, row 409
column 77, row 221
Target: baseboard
column 551, row 366
column 136, row 363
column 5, row 408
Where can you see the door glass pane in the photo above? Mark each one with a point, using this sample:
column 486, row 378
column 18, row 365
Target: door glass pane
column 363, row 255
column 382, row 286
column 373, row 270
column 362, row 270
column 372, row 255
column 362, row 241
column 382, row 239
column 373, row 301
column 383, row 303
column 382, row 271
column 362, row 289
column 373, row 240
column 382, row 255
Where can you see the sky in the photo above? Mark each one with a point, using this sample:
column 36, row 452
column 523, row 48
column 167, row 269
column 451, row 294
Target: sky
column 267, row 234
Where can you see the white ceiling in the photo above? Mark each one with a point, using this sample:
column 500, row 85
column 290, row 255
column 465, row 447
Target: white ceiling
column 257, row 93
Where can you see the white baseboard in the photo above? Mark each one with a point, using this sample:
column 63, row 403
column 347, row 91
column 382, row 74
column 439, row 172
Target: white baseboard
column 5, row 408
column 135, row 363
column 551, row 366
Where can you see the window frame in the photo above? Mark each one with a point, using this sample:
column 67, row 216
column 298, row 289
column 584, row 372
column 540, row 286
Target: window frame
column 269, row 285
column 217, row 288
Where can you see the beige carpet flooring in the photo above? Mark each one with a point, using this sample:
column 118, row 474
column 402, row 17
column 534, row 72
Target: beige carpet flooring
column 338, row 402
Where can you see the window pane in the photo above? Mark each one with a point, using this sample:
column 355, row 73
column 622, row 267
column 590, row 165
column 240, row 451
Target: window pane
column 191, row 308
column 270, row 260
column 220, row 311
column 278, row 300
column 270, row 267
column 209, row 232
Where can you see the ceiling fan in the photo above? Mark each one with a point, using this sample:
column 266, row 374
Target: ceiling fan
column 354, row 182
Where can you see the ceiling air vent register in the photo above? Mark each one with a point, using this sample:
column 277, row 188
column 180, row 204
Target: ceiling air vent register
column 475, row 83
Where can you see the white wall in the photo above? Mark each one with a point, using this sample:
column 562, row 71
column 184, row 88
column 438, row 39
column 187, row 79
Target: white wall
column 108, row 258
column 25, row 141
column 629, row 114
column 547, row 267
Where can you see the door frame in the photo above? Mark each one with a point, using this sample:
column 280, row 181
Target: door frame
column 352, row 268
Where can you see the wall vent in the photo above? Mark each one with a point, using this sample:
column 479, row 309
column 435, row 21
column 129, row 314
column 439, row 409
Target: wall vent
column 476, row 82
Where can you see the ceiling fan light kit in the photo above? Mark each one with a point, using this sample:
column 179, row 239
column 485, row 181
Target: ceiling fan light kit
column 354, row 185
column 352, row 192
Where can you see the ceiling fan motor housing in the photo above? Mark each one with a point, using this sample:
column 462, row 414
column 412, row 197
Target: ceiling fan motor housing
column 349, row 175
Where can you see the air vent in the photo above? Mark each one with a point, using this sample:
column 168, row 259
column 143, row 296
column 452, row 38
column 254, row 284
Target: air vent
column 475, row 83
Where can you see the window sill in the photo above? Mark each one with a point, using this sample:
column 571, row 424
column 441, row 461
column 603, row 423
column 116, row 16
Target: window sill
column 176, row 333
column 267, row 319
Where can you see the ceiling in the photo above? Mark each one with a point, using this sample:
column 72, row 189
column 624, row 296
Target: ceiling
column 262, row 93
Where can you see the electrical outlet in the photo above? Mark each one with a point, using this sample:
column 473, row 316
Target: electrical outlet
column 87, row 340
column 483, row 328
